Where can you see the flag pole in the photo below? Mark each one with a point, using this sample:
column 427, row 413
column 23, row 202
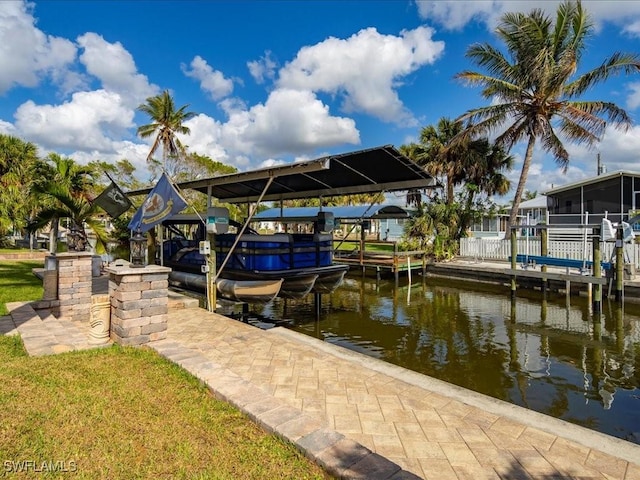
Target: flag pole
column 210, row 295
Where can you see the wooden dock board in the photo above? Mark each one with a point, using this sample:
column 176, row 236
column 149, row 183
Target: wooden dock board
column 565, row 277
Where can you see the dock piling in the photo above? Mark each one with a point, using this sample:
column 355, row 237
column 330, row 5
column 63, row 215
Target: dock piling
column 514, row 254
column 597, row 271
column 619, row 264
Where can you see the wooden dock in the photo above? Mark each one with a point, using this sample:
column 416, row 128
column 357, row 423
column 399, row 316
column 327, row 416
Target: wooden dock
column 385, row 265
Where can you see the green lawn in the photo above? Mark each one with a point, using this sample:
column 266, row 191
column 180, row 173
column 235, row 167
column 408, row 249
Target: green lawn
column 18, row 283
column 122, row 413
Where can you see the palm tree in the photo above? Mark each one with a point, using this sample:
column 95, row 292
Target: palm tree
column 442, row 158
column 533, row 90
column 17, row 160
column 64, row 187
column 166, row 122
column 78, row 209
column 484, row 174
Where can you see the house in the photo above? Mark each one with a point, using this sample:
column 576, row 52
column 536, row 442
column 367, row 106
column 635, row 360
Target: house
column 571, row 211
column 530, row 212
column 615, row 196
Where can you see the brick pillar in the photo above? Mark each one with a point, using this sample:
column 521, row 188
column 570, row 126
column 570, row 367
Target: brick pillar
column 74, row 286
column 139, row 303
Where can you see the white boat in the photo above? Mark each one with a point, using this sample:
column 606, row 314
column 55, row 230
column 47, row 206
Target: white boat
column 249, row 291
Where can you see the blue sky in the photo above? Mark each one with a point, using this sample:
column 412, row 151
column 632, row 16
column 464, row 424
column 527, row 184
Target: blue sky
column 274, row 81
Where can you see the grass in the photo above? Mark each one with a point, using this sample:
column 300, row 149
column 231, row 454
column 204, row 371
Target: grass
column 18, row 283
column 122, row 413
column 128, row 413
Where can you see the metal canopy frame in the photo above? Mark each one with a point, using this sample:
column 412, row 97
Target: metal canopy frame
column 380, row 169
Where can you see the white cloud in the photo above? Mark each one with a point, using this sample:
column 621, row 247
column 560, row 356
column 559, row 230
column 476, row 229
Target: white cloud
column 7, row 128
column 263, row 69
column 205, row 139
column 618, row 150
column 211, row 81
column 89, row 121
column 365, row 69
column 136, row 153
column 113, row 65
column 91, row 124
column 290, row 121
column 454, row 15
column 26, row 53
column 633, row 99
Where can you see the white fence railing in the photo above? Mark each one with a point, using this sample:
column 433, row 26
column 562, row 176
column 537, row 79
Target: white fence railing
column 497, row 249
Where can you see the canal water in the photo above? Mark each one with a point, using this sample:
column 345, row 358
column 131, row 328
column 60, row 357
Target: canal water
column 553, row 356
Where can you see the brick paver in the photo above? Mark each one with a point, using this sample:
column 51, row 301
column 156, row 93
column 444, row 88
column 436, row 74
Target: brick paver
column 356, row 416
column 430, row 432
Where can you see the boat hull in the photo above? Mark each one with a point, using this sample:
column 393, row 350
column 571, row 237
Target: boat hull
column 258, row 291
column 248, row 291
column 330, row 278
column 296, row 284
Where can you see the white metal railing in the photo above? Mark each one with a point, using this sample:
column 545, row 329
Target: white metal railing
column 500, row 249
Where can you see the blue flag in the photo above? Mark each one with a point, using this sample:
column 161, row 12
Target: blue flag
column 162, row 202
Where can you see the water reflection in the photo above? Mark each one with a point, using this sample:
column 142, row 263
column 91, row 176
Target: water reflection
column 539, row 353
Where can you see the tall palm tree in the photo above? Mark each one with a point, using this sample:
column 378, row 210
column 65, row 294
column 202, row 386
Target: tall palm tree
column 166, row 122
column 533, row 90
column 442, row 158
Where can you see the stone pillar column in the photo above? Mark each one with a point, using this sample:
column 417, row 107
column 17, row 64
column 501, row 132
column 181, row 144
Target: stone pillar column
column 74, row 286
column 139, row 303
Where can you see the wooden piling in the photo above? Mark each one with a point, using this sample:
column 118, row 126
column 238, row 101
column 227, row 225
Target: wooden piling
column 514, row 254
column 544, row 251
column 597, row 271
column 619, row 265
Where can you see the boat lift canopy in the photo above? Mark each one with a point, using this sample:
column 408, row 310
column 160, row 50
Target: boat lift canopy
column 380, row 169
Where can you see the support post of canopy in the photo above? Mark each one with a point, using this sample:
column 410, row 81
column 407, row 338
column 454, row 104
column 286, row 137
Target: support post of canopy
column 212, row 290
column 244, row 227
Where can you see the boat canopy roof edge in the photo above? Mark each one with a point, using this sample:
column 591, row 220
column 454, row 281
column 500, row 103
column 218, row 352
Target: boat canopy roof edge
column 374, row 170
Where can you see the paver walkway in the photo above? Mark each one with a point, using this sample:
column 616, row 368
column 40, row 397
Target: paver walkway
column 427, row 427
column 360, row 417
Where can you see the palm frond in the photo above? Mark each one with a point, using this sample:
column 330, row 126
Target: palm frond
column 625, row 63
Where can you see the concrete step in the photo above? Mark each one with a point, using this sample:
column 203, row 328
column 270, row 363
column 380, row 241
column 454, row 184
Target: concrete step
column 67, row 333
column 44, row 334
column 179, row 301
column 37, row 338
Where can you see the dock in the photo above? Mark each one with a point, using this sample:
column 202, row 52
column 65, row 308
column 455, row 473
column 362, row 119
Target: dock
column 381, row 264
column 357, row 416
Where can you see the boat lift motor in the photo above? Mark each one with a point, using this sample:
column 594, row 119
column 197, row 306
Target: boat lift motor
column 325, row 222
column 217, row 220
